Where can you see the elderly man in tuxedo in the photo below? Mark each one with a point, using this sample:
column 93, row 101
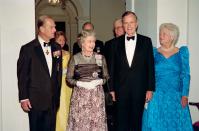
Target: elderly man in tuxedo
column 39, row 74
column 132, row 74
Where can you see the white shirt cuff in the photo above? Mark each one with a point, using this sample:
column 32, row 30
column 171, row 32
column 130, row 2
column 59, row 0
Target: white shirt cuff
column 24, row 100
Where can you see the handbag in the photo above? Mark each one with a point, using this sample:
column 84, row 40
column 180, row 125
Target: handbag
column 108, row 97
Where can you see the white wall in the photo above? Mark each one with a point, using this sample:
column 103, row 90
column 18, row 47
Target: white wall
column 174, row 11
column 130, row 5
column 151, row 14
column 17, row 27
column 0, row 86
column 103, row 18
column 146, row 12
column 193, row 28
column 86, row 5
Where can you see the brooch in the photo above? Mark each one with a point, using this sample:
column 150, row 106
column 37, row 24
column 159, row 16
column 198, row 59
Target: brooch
column 95, row 74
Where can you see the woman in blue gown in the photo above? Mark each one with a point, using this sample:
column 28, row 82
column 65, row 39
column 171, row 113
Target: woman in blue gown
column 168, row 110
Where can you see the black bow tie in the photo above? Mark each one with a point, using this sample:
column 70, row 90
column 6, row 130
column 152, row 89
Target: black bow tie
column 132, row 37
column 46, row 44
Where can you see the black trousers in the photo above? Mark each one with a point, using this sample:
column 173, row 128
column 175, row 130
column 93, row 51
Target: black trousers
column 130, row 109
column 111, row 117
column 42, row 120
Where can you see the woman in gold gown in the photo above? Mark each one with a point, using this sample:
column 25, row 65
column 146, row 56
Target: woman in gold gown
column 63, row 111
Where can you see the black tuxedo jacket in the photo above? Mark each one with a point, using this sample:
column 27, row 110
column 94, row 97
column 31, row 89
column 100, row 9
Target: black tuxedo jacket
column 108, row 47
column 99, row 47
column 140, row 75
column 108, row 52
column 34, row 80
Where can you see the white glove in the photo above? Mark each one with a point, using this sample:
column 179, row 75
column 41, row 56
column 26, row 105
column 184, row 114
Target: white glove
column 89, row 85
column 84, row 84
column 97, row 82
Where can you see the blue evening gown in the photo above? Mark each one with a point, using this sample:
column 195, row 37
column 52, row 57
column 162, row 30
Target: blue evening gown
column 164, row 112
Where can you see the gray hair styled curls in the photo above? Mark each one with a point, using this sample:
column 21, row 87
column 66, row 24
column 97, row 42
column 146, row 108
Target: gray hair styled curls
column 86, row 33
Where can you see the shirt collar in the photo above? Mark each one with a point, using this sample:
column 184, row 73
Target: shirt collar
column 41, row 41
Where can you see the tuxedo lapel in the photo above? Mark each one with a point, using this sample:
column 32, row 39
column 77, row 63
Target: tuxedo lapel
column 135, row 57
column 40, row 54
column 123, row 51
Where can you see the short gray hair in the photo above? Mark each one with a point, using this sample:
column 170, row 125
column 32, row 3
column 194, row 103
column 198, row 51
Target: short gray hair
column 86, row 33
column 173, row 29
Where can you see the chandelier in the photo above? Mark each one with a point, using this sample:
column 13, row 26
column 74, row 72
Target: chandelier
column 61, row 3
column 54, row 2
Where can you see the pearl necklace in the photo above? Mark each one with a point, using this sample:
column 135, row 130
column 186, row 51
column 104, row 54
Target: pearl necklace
column 86, row 53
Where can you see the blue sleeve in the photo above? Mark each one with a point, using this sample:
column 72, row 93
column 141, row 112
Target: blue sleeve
column 185, row 70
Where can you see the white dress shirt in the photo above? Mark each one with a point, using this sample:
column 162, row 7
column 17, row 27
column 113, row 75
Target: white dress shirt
column 130, row 48
column 47, row 54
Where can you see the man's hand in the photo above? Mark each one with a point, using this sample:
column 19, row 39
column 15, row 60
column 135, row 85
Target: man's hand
column 184, row 101
column 113, row 95
column 149, row 95
column 25, row 105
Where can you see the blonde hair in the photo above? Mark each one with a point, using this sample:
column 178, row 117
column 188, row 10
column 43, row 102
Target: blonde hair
column 85, row 33
column 173, row 31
